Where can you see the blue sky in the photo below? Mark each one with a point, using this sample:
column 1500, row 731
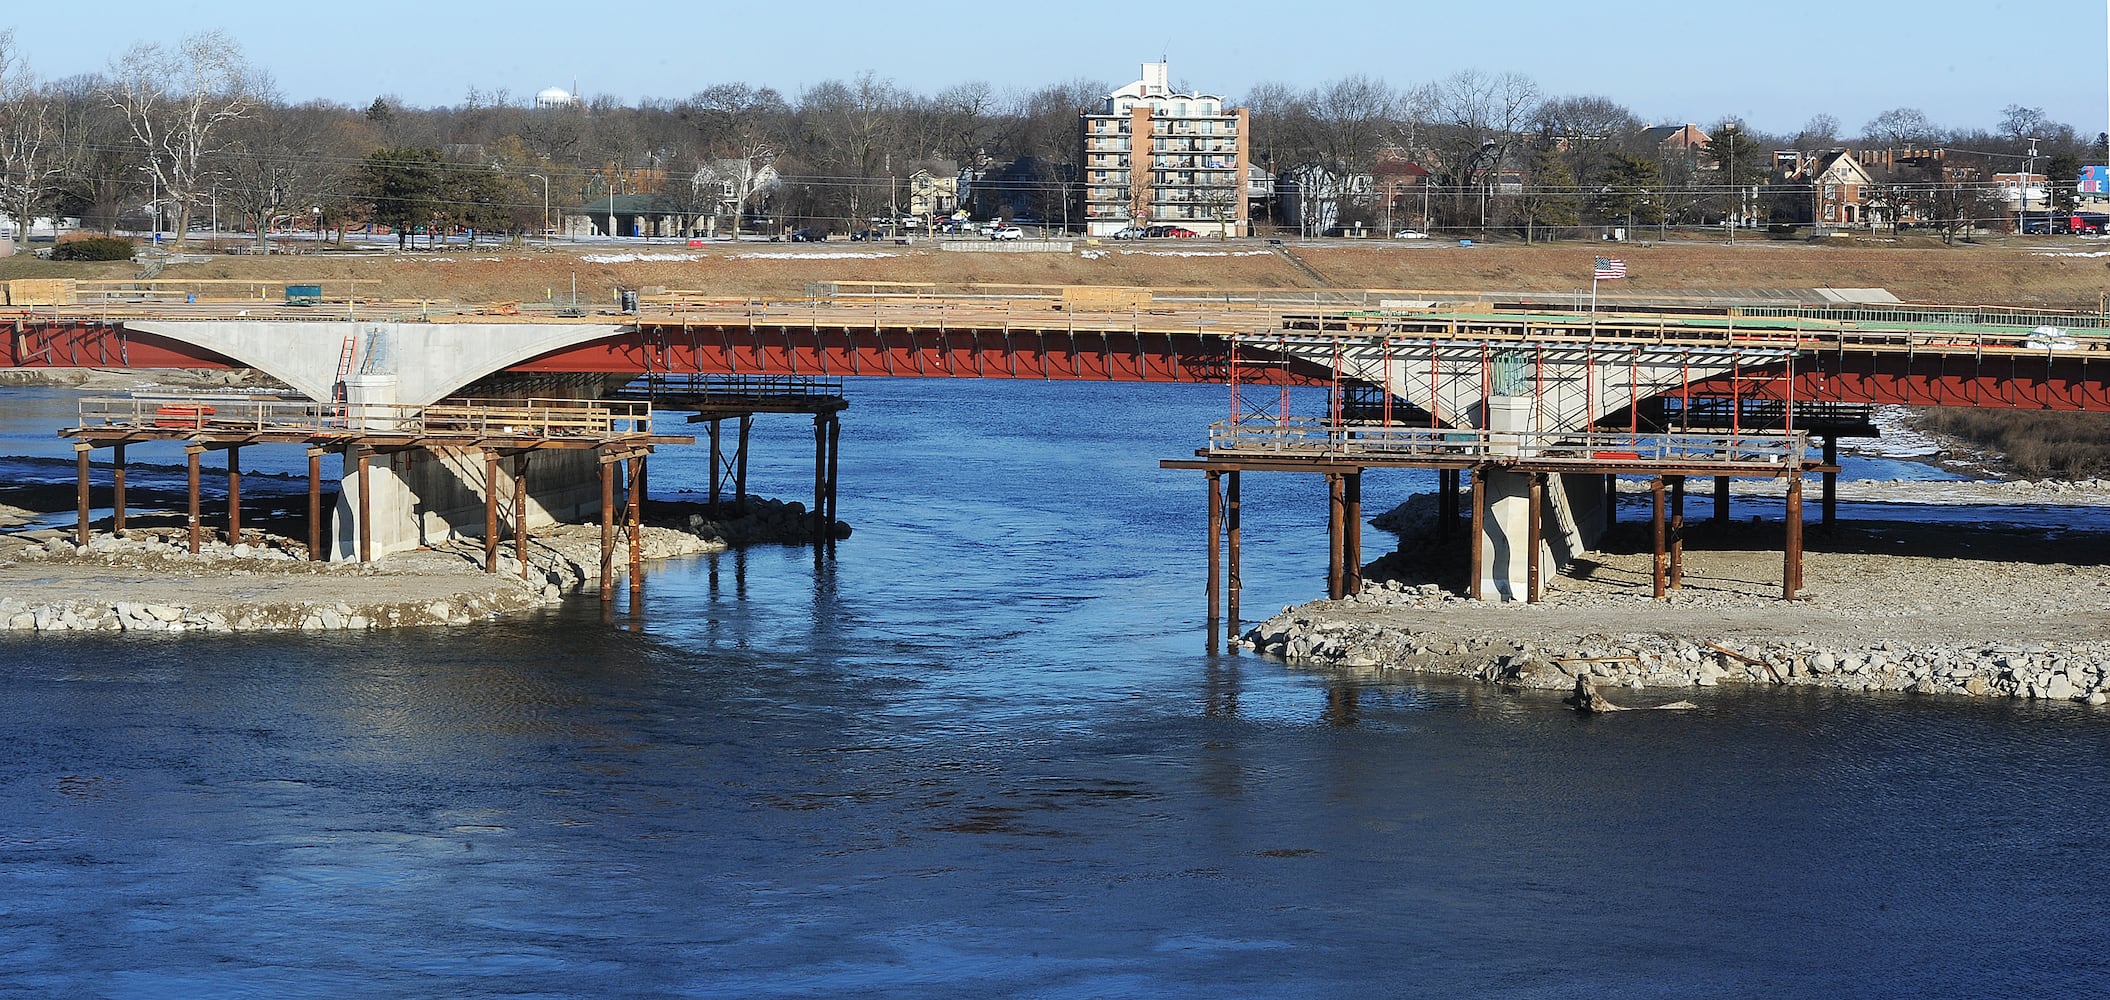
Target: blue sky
column 1668, row 61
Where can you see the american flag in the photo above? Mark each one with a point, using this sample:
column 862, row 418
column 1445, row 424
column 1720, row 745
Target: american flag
column 1609, row 268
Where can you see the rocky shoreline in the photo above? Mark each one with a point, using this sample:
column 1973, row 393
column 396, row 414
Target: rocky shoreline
column 1977, row 610
column 149, row 581
column 1313, row 636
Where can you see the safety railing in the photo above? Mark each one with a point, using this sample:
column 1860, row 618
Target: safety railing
column 462, row 418
column 1315, row 438
column 1954, row 315
column 733, row 386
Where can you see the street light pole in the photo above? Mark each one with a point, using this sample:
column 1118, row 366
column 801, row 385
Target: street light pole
column 2029, row 166
column 545, row 209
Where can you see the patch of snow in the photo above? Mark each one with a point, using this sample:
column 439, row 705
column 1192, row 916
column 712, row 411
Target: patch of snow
column 1091, row 254
column 2070, row 253
column 634, row 258
column 1898, row 441
column 1200, row 253
column 845, row 255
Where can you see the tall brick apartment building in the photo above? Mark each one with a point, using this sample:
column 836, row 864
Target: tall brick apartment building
column 1156, row 158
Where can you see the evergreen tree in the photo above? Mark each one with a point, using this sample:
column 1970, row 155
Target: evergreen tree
column 1739, row 166
column 2061, row 177
column 1552, row 202
column 1633, row 190
column 402, row 186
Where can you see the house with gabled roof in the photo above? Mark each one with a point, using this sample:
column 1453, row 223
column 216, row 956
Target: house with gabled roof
column 1838, row 190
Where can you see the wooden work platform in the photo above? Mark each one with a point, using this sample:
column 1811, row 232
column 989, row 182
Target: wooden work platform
column 620, row 432
column 1342, row 452
column 718, row 397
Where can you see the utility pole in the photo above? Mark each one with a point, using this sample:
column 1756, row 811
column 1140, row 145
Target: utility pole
column 545, row 209
column 1736, row 201
column 2029, row 167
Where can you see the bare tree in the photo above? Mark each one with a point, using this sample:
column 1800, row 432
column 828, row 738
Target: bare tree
column 278, row 163
column 1955, row 208
column 852, row 132
column 177, row 103
column 1350, row 119
column 1820, row 132
column 1899, row 128
column 29, row 152
column 740, row 130
column 2018, row 123
column 1044, row 138
column 1588, row 132
column 954, row 124
column 1473, row 122
column 102, row 180
column 1346, row 124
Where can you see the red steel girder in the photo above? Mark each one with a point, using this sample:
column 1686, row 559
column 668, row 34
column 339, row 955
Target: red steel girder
column 80, row 343
column 1118, row 356
column 2005, row 380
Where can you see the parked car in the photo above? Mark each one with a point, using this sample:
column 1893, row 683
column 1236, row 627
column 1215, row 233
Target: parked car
column 867, row 235
column 1410, row 234
column 1178, row 232
column 808, row 236
column 1132, row 233
column 1007, row 233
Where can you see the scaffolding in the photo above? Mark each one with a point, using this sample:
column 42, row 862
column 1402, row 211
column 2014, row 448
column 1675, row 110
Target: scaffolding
column 620, row 433
column 1414, row 402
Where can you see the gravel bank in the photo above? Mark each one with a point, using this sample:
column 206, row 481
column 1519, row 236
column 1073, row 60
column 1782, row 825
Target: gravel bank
column 149, row 581
column 1968, row 609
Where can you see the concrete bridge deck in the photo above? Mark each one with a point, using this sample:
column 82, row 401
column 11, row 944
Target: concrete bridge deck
column 1528, row 386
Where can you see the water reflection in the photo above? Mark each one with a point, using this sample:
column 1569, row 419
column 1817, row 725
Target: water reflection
column 976, row 754
column 1342, row 701
column 1220, row 687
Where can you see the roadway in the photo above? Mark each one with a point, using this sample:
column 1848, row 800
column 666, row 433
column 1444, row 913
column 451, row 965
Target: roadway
column 1872, row 354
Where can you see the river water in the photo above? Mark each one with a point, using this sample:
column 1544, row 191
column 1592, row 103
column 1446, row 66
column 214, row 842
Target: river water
column 983, row 753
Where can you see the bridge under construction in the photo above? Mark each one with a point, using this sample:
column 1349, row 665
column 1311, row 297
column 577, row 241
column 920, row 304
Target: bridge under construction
column 1529, row 414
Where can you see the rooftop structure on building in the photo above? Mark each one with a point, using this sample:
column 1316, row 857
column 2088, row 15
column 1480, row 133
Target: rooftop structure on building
column 556, row 97
column 1153, row 156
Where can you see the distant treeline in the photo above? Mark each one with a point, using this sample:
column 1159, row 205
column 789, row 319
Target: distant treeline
column 175, row 133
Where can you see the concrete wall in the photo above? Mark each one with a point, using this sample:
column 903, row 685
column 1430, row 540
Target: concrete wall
column 1571, row 512
column 425, row 498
